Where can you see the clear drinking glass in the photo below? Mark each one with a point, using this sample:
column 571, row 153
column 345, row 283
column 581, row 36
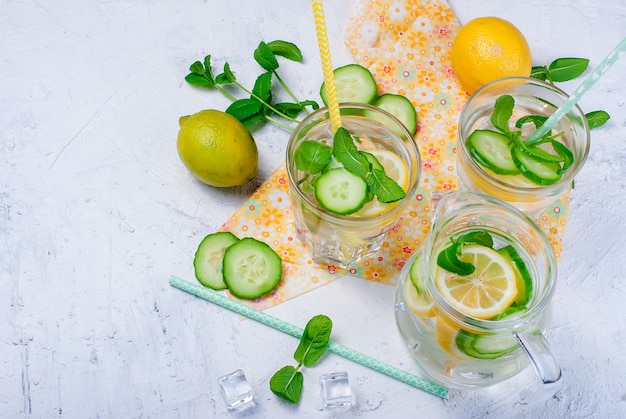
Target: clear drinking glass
column 532, row 97
column 466, row 352
column 343, row 240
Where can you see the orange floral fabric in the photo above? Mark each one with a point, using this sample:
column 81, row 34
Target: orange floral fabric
column 406, row 45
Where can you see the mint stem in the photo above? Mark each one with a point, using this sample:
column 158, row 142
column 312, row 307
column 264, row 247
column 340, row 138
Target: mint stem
column 276, row 111
column 288, row 90
column 225, row 93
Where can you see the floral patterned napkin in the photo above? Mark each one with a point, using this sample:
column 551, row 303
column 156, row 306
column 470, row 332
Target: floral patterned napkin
column 406, row 45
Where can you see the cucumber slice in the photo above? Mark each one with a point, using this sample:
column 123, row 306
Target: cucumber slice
column 491, row 149
column 354, row 83
column 251, row 268
column 340, row 191
column 524, row 281
column 416, row 275
column 540, row 173
column 207, row 262
column 400, row 107
column 485, row 346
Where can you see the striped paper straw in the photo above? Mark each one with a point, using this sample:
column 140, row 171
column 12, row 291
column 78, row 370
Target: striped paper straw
column 581, row 90
column 283, row 326
column 327, row 65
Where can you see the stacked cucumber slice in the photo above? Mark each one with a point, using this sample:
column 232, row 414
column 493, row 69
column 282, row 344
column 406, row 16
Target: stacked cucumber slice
column 248, row 267
column 503, row 152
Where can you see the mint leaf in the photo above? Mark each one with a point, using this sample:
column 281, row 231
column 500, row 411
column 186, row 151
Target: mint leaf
column 314, row 340
column 263, row 87
column 385, row 188
column 596, row 119
column 285, row 49
column 538, row 120
column 243, row 109
column 539, row 72
column 477, row 237
column 286, row 383
column 502, row 111
column 448, row 259
column 197, row 68
column 196, row 80
column 226, row 77
column 312, row 157
column 265, row 57
column 290, row 109
column 346, row 152
column 564, row 69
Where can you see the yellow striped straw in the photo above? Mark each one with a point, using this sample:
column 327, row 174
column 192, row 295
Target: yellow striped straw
column 327, row 65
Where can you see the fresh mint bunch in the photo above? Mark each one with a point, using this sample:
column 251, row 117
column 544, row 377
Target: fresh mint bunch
column 287, row 382
column 259, row 105
column 565, row 69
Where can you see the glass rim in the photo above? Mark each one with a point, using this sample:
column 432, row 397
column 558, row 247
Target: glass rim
column 507, row 324
column 350, row 219
column 557, row 187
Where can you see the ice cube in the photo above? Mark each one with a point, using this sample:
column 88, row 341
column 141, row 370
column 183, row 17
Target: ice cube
column 236, row 390
column 336, row 390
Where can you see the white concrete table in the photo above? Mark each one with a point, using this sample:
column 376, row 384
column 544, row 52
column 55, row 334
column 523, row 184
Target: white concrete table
column 97, row 211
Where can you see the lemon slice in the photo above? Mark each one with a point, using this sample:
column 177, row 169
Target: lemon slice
column 446, row 335
column 396, row 169
column 418, row 303
column 485, row 293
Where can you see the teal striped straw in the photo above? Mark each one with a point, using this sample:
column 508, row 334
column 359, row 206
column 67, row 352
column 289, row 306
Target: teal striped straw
column 578, row 93
column 283, row 326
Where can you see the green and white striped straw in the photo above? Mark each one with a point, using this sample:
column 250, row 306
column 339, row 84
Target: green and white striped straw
column 580, row 90
column 283, row 326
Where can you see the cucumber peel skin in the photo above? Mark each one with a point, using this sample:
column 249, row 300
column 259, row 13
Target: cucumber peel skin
column 207, row 261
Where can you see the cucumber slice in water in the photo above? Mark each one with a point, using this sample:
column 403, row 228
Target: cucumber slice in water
column 207, row 262
column 540, row 173
column 491, row 149
column 524, row 281
column 340, row 191
column 251, row 268
column 354, row 83
column 400, row 107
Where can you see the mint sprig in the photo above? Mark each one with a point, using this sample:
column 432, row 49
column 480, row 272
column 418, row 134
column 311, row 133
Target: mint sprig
column 259, row 105
column 448, row 258
column 287, row 382
column 566, row 69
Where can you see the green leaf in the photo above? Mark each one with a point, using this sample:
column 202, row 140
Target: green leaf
column 197, row 68
column 314, row 340
column 385, row 188
column 263, row 87
column 208, row 71
column 286, row 383
column 226, row 77
column 196, row 80
column 502, row 111
column 448, row 259
column 244, row 109
column 564, row 69
column 285, row 49
column 347, row 153
column 478, row 237
column 539, row 72
column 265, row 57
column 538, row 120
column 290, row 109
column 596, row 119
column 313, row 104
column 312, row 157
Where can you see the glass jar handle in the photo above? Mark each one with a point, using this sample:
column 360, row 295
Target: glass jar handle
column 547, row 368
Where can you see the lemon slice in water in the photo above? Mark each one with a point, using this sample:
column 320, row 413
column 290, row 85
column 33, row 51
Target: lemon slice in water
column 485, row 293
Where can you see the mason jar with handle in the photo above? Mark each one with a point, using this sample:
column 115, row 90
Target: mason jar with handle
column 473, row 304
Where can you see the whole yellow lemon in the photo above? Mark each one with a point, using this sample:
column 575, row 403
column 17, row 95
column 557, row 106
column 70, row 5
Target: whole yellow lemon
column 217, row 148
column 489, row 48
